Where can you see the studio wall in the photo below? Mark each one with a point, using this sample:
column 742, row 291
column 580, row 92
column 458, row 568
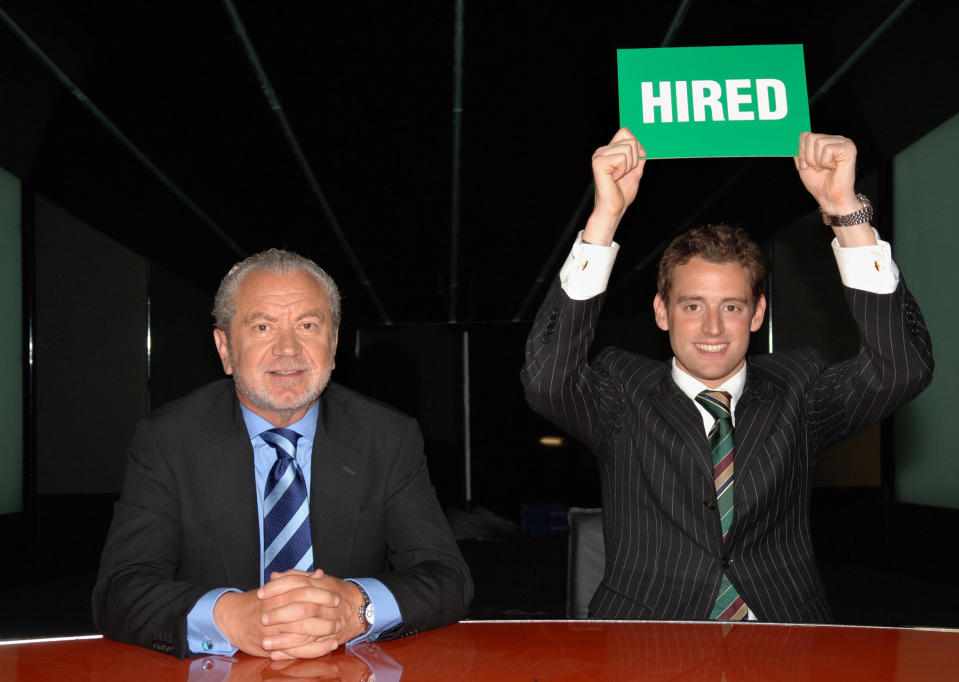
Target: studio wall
column 927, row 248
column 11, row 347
column 90, row 354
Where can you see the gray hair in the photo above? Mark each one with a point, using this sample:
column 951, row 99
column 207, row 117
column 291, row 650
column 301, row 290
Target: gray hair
column 273, row 260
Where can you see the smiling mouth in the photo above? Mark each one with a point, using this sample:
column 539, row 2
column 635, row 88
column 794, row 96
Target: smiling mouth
column 711, row 347
column 286, row 372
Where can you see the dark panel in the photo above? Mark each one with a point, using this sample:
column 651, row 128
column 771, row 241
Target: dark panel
column 182, row 355
column 90, row 350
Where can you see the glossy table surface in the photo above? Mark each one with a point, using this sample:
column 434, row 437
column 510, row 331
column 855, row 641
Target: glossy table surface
column 539, row 650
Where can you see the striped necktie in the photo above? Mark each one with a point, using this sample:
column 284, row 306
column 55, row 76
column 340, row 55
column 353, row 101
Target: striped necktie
column 729, row 605
column 286, row 509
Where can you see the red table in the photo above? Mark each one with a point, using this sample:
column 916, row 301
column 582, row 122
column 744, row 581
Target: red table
column 543, row 650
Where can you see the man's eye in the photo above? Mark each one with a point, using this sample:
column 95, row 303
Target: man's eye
column 261, row 327
column 692, row 307
column 309, row 325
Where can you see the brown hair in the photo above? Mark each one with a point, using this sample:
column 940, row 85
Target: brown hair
column 716, row 244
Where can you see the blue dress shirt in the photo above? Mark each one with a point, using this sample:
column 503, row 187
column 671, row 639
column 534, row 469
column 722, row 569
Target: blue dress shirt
column 203, row 636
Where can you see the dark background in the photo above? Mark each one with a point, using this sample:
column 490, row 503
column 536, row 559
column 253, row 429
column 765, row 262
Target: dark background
column 367, row 89
column 152, row 158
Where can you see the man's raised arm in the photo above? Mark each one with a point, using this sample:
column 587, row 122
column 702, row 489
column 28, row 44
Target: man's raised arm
column 617, row 170
column 827, row 168
column 556, row 376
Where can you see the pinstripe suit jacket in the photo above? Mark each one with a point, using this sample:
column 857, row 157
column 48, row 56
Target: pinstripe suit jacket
column 664, row 549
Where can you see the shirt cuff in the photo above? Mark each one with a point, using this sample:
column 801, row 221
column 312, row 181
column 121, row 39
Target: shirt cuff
column 868, row 268
column 587, row 268
column 202, row 635
column 386, row 612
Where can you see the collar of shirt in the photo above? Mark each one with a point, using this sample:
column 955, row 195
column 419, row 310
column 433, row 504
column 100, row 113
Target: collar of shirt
column 692, row 387
column 264, row 455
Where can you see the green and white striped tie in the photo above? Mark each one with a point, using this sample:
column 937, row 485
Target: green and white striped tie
column 729, row 605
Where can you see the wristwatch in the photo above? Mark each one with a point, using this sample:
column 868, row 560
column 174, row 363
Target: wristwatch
column 366, row 613
column 863, row 215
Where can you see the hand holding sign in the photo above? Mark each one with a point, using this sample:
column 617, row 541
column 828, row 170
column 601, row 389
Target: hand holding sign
column 827, row 168
column 826, row 165
column 617, row 170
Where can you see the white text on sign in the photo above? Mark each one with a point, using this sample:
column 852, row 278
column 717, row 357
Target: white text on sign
column 770, row 95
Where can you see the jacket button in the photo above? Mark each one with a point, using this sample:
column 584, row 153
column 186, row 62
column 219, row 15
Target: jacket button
column 726, row 562
column 710, row 504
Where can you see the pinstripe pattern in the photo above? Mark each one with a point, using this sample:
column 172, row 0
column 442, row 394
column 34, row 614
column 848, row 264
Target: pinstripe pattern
column 665, row 553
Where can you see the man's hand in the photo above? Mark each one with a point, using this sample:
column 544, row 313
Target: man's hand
column 617, row 170
column 295, row 615
column 240, row 618
column 319, row 607
column 827, row 168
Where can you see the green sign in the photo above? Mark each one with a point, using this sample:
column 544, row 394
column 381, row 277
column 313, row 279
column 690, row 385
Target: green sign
column 747, row 100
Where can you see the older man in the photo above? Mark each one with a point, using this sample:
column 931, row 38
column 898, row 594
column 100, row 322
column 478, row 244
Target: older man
column 243, row 500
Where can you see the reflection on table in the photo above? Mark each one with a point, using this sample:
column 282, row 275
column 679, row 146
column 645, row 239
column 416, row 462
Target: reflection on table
column 541, row 650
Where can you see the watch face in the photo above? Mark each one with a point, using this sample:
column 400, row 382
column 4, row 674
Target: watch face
column 370, row 614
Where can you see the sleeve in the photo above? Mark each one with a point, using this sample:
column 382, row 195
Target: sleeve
column 137, row 598
column 558, row 380
column 202, row 634
column 387, row 611
column 868, row 268
column 893, row 366
column 427, row 575
column 587, row 269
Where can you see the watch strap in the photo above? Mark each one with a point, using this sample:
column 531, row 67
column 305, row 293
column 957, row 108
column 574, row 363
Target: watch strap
column 361, row 613
column 863, row 215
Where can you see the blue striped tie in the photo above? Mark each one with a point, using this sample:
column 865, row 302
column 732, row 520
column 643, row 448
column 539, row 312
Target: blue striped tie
column 286, row 509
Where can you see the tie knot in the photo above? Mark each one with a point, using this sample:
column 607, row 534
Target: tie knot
column 282, row 440
column 716, row 403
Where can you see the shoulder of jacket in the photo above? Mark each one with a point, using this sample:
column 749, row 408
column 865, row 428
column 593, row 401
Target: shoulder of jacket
column 359, row 406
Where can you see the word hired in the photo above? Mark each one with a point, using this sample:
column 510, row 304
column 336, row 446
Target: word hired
column 709, row 94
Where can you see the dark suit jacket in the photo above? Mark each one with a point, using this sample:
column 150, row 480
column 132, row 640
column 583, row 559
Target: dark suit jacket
column 664, row 549
column 187, row 522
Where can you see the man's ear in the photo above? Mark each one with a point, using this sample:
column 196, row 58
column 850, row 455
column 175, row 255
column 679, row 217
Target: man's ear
column 758, row 314
column 659, row 308
column 223, row 348
column 336, row 340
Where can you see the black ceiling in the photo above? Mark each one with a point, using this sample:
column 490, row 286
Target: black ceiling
column 367, row 90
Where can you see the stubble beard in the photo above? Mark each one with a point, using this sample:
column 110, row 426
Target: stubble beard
column 261, row 399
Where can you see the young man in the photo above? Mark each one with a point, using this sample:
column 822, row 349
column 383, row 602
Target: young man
column 706, row 461
column 275, row 512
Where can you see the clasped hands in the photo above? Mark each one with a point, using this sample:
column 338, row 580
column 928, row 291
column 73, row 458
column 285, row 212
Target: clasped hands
column 295, row 615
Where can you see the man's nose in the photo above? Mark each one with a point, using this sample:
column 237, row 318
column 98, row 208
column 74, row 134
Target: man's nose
column 286, row 343
column 713, row 322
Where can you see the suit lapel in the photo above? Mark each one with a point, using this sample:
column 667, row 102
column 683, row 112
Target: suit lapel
column 338, row 471
column 225, row 472
column 755, row 413
column 677, row 409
